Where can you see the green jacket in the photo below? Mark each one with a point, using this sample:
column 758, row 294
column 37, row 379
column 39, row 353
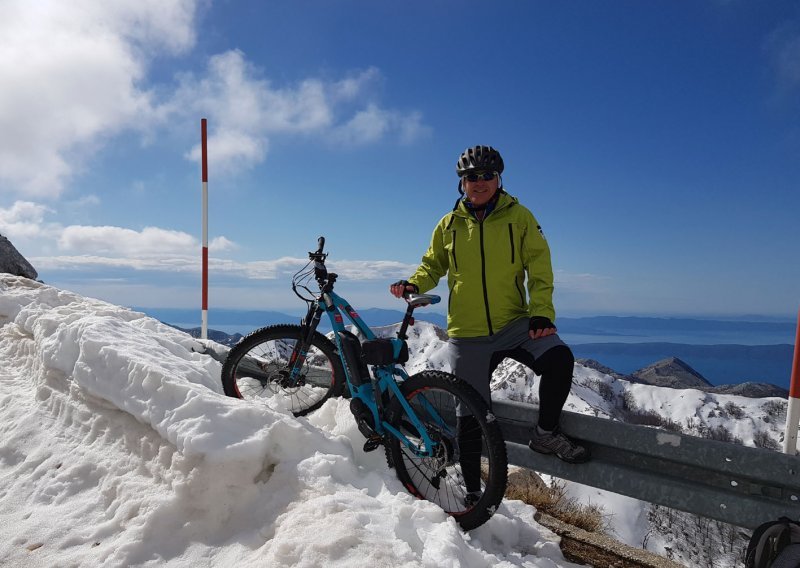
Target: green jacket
column 486, row 263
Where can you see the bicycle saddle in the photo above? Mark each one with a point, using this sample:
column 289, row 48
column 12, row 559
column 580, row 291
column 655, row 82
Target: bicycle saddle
column 417, row 300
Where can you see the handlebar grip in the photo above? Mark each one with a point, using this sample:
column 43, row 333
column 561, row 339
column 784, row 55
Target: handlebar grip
column 321, row 243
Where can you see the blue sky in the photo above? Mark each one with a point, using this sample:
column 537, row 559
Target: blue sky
column 658, row 144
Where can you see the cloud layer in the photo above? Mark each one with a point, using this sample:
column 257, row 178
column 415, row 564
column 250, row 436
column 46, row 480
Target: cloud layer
column 93, row 247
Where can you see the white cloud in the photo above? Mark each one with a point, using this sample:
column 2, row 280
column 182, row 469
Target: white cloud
column 245, row 110
column 367, row 125
column 782, row 46
column 373, row 123
column 75, row 74
column 149, row 242
column 163, row 261
column 221, row 244
column 72, row 75
column 24, row 219
column 579, row 282
column 372, row 269
column 353, row 87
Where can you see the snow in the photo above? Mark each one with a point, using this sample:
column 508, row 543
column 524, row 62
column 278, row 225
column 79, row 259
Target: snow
column 119, row 449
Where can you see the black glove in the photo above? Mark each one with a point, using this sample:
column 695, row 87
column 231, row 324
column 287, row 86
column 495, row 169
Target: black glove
column 405, row 283
column 540, row 322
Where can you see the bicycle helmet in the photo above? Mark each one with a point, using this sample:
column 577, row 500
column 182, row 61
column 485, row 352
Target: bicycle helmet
column 479, row 158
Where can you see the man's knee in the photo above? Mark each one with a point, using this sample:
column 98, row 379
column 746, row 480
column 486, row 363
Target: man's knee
column 557, row 360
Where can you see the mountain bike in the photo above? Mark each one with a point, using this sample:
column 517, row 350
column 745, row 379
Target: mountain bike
column 437, row 432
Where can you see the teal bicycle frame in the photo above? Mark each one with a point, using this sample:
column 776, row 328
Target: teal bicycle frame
column 382, row 379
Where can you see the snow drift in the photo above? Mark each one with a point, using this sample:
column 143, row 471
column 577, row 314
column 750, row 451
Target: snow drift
column 118, row 449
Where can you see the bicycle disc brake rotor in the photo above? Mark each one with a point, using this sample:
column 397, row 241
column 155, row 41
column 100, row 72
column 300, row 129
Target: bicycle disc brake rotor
column 442, row 457
column 278, row 379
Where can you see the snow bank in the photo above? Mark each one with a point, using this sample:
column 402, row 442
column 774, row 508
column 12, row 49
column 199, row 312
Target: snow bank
column 118, row 449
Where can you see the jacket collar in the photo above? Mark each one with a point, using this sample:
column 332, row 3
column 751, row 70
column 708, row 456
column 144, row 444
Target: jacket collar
column 504, row 200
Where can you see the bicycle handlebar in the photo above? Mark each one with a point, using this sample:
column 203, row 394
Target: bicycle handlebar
column 321, row 243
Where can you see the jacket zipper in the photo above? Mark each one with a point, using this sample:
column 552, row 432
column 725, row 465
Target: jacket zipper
column 483, row 276
column 511, row 238
column 521, row 295
column 455, row 261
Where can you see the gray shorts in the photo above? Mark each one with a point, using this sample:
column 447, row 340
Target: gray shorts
column 470, row 357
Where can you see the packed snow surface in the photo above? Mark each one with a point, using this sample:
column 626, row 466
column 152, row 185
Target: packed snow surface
column 119, row 449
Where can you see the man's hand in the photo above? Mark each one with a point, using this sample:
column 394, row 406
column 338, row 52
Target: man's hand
column 402, row 287
column 541, row 326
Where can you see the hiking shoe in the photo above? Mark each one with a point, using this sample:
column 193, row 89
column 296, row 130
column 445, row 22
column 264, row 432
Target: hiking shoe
column 471, row 499
column 557, row 443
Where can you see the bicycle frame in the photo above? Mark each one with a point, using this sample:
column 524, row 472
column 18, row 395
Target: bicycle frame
column 381, row 381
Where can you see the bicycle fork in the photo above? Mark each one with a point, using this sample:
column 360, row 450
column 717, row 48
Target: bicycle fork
column 308, row 325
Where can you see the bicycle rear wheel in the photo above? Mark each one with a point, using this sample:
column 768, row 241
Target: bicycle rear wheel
column 467, row 476
column 258, row 367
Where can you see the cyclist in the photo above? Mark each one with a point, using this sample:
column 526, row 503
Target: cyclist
column 486, row 245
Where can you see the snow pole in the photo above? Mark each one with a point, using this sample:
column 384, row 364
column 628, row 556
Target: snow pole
column 793, row 412
column 204, row 146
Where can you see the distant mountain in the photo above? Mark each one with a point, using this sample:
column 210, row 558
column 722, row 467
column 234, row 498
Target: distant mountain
column 718, row 364
column 374, row 317
column 254, row 318
column 711, row 347
column 674, row 373
column 377, row 317
column 671, row 372
column 585, row 329
column 214, row 335
column 598, row 366
column 751, row 390
column 614, row 325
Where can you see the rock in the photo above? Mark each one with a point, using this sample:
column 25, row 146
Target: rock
column 12, row 262
column 523, row 478
column 672, row 373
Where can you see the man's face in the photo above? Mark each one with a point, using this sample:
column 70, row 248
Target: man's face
column 481, row 190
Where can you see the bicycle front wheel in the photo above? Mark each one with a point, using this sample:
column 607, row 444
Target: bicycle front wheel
column 468, row 472
column 258, row 368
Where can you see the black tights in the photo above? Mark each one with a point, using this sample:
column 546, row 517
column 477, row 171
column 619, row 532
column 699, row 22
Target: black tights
column 555, row 366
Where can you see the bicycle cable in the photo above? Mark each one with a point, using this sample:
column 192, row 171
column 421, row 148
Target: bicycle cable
column 300, row 280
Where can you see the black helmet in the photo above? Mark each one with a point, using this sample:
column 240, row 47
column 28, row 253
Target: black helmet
column 479, row 158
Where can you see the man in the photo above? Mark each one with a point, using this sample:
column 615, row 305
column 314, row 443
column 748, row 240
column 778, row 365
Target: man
column 486, row 246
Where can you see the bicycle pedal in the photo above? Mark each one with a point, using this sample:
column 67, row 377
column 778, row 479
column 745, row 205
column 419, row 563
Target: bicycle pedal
column 373, row 443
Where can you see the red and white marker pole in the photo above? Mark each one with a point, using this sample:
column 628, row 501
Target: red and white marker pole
column 204, row 145
column 793, row 412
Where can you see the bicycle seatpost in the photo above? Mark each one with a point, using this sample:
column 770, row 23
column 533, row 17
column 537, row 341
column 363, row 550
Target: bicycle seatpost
column 407, row 320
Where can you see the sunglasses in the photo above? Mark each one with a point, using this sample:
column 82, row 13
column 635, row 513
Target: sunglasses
column 485, row 176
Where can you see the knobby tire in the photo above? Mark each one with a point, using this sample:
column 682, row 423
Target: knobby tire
column 441, row 479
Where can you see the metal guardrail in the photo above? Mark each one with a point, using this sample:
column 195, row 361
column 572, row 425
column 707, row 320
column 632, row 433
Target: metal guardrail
column 735, row 484
column 727, row 482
